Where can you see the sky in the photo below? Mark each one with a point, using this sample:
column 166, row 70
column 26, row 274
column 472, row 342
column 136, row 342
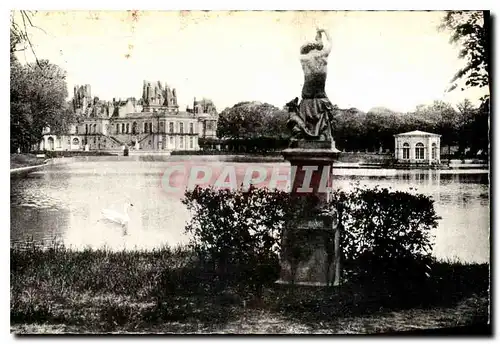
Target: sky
column 392, row 59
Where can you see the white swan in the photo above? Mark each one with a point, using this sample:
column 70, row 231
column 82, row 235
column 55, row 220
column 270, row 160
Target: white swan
column 117, row 217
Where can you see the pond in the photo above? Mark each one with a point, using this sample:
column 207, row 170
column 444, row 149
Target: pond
column 63, row 203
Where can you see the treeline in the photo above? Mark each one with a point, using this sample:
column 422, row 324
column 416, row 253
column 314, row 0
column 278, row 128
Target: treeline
column 261, row 127
column 252, row 120
column 250, row 127
column 466, row 126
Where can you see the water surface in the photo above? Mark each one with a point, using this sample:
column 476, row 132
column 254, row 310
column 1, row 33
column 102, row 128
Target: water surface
column 64, row 203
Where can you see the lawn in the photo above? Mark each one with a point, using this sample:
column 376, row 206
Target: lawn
column 59, row 290
column 24, row 160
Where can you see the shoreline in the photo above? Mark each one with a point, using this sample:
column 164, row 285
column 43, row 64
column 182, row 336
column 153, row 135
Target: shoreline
column 242, row 158
column 27, row 168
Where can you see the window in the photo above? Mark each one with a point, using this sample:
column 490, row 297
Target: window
column 419, row 151
column 181, row 142
column 95, row 128
column 76, row 142
column 128, row 128
column 76, row 130
column 434, row 149
column 162, row 127
column 123, row 127
column 150, row 127
column 86, row 128
column 50, row 140
column 181, row 128
column 134, row 128
column 191, row 142
column 117, row 128
column 406, row 151
column 171, row 127
column 191, row 128
column 145, row 127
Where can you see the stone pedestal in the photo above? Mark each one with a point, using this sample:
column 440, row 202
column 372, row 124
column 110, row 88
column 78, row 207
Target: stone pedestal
column 311, row 163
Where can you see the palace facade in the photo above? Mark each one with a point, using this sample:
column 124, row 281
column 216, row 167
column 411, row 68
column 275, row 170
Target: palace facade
column 152, row 122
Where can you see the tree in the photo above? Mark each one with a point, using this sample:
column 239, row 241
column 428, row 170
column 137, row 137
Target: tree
column 471, row 29
column 275, row 124
column 381, row 125
column 252, row 120
column 465, row 117
column 38, row 93
column 37, row 90
column 348, row 130
column 439, row 117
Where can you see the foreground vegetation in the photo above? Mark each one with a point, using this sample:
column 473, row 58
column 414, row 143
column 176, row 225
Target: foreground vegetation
column 24, row 160
column 165, row 290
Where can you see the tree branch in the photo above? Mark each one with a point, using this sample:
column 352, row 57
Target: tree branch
column 23, row 15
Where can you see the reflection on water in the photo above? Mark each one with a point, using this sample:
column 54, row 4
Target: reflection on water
column 64, row 202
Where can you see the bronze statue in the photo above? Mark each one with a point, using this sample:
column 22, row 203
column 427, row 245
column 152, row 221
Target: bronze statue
column 313, row 118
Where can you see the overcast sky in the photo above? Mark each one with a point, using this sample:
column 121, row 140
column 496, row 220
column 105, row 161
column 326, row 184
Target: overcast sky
column 393, row 59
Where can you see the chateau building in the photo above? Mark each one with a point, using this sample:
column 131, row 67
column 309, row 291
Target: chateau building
column 153, row 122
column 418, row 147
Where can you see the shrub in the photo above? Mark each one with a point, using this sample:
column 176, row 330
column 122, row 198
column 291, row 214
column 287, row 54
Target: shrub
column 237, row 233
column 385, row 235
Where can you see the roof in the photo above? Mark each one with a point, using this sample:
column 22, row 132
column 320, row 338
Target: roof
column 141, row 115
column 417, row 133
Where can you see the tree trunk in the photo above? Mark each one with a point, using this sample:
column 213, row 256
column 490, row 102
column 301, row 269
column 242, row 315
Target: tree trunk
column 487, row 45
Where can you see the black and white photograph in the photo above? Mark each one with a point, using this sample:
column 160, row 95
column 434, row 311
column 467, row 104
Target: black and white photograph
column 250, row 172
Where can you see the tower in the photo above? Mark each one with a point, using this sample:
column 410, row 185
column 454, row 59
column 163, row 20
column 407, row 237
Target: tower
column 82, row 97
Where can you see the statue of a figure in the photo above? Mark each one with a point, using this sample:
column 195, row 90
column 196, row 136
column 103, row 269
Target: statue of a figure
column 313, row 118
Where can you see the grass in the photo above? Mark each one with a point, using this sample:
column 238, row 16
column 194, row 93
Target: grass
column 69, row 154
column 24, row 160
column 58, row 290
